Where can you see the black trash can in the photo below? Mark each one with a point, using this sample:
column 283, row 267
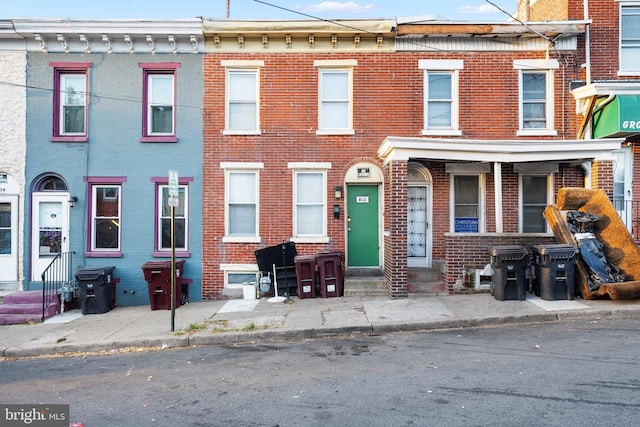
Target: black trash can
column 555, row 271
column 96, row 289
column 306, row 274
column 509, row 272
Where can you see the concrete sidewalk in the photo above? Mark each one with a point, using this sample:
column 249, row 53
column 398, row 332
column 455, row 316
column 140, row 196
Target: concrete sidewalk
column 234, row 321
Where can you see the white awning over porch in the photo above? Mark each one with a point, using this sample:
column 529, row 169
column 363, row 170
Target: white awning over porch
column 503, row 151
column 497, row 152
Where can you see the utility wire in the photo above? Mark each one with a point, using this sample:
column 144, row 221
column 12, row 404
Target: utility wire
column 313, row 17
column 515, row 18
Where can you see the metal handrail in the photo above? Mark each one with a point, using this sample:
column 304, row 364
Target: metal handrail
column 55, row 276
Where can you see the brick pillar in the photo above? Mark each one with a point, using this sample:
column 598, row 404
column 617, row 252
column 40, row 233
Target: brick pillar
column 395, row 248
column 602, row 176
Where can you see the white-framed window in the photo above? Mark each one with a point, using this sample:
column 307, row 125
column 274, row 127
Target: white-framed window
column 235, row 275
column 441, row 96
column 536, row 193
column 163, row 219
column 467, row 192
column 335, row 97
column 310, row 202
column 535, row 96
column 629, row 62
column 159, row 101
column 70, row 98
column 242, row 196
column 106, row 215
column 242, row 98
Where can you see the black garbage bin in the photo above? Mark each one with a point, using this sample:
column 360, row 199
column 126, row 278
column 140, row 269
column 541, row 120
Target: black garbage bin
column 95, row 286
column 509, row 272
column 555, row 271
column 158, row 277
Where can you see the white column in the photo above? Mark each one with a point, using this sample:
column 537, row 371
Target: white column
column 497, row 183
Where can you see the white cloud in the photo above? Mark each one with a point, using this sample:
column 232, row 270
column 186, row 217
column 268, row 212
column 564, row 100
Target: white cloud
column 485, row 8
column 336, row 6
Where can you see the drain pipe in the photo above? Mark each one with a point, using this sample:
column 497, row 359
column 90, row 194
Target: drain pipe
column 587, row 45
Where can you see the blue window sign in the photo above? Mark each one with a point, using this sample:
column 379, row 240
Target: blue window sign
column 466, row 225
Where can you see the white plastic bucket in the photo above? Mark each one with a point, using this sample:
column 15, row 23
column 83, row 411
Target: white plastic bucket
column 249, row 291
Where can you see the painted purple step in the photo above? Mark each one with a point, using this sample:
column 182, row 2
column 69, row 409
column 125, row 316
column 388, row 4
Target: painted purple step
column 25, row 307
column 23, row 297
column 21, row 308
column 19, row 319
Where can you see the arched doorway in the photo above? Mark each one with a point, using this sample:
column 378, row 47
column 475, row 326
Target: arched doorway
column 49, row 222
column 419, row 216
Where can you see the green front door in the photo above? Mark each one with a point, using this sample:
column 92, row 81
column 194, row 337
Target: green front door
column 362, row 226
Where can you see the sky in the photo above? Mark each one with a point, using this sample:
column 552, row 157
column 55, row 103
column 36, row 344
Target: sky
column 457, row 10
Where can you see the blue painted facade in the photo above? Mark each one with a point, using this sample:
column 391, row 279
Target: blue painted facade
column 114, row 150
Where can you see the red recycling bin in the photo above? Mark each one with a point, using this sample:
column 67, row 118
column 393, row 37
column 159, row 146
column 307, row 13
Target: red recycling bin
column 331, row 276
column 158, row 277
column 306, row 274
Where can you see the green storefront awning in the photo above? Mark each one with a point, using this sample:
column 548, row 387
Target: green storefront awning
column 620, row 117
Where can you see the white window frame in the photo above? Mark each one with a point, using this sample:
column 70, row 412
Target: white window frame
column 310, row 168
column 118, row 218
column 549, row 200
column 229, row 269
column 545, row 66
column 151, row 77
column 482, row 189
column 241, row 67
column 453, row 68
column 335, row 67
column 634, row 48
column 63, row 102
column 182, row 207
column 241, row 167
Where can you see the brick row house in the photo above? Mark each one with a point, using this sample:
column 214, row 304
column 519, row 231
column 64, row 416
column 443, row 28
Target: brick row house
column 399, row 144
column 110, row 107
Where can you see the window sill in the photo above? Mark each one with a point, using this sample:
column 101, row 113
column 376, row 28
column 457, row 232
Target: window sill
column 537, row 132
column 98, row 254
column 241, row 239
column 82, row 138
column 336, row 132
column 167, row 254
column 628, row 73
column 441, row 132
column 242, row 132
column 167, row 138
column 310, row 239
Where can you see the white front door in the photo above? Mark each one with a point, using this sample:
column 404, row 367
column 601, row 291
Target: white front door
column 49, row 229
column 8, row 238
column 418, row 226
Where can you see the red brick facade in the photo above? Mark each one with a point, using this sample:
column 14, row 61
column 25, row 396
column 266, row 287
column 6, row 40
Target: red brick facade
column 388, row 99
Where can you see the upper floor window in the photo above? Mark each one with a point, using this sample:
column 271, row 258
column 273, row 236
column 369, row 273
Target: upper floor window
column 70, row 113
column 105, row 216
column 630, row 39
column 159, row 102
column 335, row 97
column 536, row 96
column 242, row 115
column 310, row 201
column 441, row 96
column 242, row 196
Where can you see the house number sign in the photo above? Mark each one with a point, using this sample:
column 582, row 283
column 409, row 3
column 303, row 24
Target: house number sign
column 362, row 199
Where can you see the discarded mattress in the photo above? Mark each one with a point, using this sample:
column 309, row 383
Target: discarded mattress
column 617, row 243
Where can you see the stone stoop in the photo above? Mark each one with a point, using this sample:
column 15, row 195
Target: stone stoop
column 365, row 286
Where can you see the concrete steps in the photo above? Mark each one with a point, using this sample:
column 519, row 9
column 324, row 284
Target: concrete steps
column 365, row 286
column 25, row 307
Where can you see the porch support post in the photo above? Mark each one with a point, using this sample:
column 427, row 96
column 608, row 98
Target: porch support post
column 497, row 183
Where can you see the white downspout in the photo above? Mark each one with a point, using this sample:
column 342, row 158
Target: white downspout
column 587, row 45
column 587, row 174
